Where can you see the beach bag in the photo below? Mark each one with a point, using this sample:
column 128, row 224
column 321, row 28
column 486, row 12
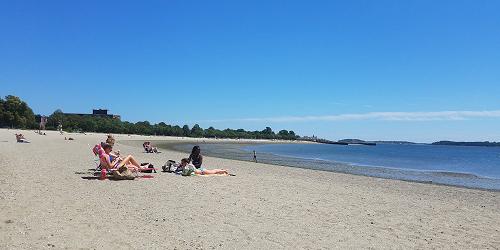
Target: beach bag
column 170, row 167
column 123, row 173
column 150, row 166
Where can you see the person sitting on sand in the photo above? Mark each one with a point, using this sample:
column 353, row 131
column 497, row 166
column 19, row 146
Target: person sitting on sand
column 109, row 162
column 110, row 140
column 149, row 148
column 20, row 138
column 189, row 169
column 195, row 157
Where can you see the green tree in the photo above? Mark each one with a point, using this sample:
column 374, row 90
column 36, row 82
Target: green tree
column 186, row 131
column 55, row 118
column 196, row 131
column 267, row 133
column 210, row 132
column 283, row 134
column 16, row 113
column 177, row 131
column 143, row 128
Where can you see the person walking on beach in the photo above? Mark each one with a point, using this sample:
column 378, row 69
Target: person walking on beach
column 59, row 128
column 254, row 156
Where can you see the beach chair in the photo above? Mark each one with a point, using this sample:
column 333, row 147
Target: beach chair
column 98, row 151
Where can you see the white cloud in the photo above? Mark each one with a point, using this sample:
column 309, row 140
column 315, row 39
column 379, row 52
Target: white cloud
column 378, row 116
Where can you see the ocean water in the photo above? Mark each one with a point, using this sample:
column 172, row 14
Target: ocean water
column 472, row 167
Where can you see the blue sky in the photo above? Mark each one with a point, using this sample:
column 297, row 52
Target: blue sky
column 330, row 68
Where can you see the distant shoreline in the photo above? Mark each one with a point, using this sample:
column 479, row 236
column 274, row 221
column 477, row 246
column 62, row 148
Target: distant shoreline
column 468, row 144
column 232, row 150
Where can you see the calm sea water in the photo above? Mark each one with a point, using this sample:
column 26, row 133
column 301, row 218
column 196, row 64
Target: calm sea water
column 473, row 167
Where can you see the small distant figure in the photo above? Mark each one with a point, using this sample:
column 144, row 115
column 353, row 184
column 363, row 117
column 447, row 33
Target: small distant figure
column 149, row 147
column 254, row 156
column 43, row 121
column 20, row 138
column 59, row 128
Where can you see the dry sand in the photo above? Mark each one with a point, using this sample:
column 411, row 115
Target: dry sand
column 44, row 203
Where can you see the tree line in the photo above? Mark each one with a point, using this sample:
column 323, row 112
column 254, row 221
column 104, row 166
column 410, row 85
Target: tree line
column 15, row 113
column 21, row 116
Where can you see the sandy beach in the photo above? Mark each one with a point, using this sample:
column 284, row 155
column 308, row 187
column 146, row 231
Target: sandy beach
column 45, row 203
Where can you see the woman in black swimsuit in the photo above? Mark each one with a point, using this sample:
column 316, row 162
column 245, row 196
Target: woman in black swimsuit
column 195, row 157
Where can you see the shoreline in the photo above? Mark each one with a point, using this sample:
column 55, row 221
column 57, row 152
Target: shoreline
column 173, row 145
column 45, row 202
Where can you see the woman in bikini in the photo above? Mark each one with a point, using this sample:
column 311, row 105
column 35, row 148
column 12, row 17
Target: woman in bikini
column 110, row 162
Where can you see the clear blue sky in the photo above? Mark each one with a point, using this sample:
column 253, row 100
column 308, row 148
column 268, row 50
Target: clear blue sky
column 317, row 67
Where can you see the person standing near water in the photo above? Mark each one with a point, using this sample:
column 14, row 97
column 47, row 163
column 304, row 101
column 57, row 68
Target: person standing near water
column 254, row 156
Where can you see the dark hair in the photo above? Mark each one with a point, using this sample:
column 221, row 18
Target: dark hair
column 106, row 145
column 185, row 160
column 195, row 148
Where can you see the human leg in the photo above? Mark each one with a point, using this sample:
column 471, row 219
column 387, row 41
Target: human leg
column 211, row 171
column 130, row 160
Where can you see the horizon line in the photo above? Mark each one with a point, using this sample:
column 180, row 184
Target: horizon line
column 376, row 116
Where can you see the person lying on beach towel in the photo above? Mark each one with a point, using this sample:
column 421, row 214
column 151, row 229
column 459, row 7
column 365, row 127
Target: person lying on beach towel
column 189, row 169
column 111, row 163
column 20, row 138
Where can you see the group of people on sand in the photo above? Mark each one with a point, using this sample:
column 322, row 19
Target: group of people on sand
column 149, row 147
column 20, row 138
column 112, row 160
column 193, row 165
